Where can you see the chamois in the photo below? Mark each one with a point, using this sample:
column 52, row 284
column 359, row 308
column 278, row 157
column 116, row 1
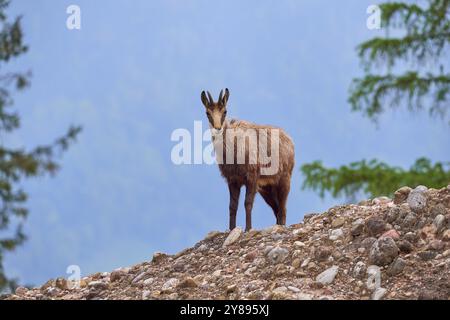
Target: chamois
column 245, row 154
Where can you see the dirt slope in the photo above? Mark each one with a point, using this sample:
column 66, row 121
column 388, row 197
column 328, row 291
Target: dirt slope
column 380, row 249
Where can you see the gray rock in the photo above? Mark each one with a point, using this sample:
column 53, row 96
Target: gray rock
column 411, row 237
column 322, row 253
column 139, row 277
column 396, row 267
column 21, row 291
column 304, row 296
column 374, row 277
column 410, row 220
column 392, row 214
column 170, row 284
column 328, row 275
column 359, row 269
column 417, row 198
column 405, row 246
column 375, row 226
column 277, row 255
column 305, row 262
column 368, row 242
column 422, row 222
column 357, row 227
column 381, row 200
column 179, row 266
column 379, row 293
column 437, row 210
column 267, row 250
column 383, row 252
column 233, row 236
column 427, row 255
column 336, row 234
column 294, row 289
column 146, row 294
column 98, row 285
column 439, row 222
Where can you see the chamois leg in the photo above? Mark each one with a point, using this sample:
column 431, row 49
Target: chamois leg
column 249, row 199
column 269, row 195
column 235, row 191
column 283, row 192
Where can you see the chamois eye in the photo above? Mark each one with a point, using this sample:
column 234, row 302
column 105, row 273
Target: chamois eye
column 225, row 112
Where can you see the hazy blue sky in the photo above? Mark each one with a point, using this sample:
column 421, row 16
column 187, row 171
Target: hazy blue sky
column 134, row 73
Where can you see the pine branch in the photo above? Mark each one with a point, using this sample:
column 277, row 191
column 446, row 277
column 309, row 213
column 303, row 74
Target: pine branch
column 370, row 93
column 373, row 178
column 418, row 47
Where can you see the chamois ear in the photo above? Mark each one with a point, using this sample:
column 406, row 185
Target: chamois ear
column 220, row 96
column 211, row 100
column 204, row 99
column 224, row 100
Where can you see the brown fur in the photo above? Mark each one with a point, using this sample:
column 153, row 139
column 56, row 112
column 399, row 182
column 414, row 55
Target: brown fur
column 273, row 188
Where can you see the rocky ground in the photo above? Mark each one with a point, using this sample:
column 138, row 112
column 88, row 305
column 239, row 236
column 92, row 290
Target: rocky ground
column 379, row 249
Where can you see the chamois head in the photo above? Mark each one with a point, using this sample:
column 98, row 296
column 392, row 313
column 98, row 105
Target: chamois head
column 216, row 111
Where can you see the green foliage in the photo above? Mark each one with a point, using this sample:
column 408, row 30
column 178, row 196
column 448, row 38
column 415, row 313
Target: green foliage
column 374, row 178
column 18, row 164
column 373, row 92
column 424, row 42
column 421, row 45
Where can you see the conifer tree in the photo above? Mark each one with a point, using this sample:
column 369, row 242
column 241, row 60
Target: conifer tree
column 407, row 68
column 17, row 164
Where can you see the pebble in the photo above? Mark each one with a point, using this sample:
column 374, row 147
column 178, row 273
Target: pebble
column 21, row 291
column 417, row 198
column 392, row 234
column 439, row 222
column 359, row 269
column 357, row 227
column 379, row 293
column 336, row 234
column 305, row 262
column 405, row 246
column 146, row 294
column 375, row 226
column 374, row 277
column 277, row 255
column 98, row 285
column 383, row 252
column 427, row 255
column 304, row 296
column 293, row 289
column 296, row 263
column 170, row 284
column 328, row 275
column 233, row 236
column 401, row 194
column 299, row 244
column 337, row 222
column 396, row 267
